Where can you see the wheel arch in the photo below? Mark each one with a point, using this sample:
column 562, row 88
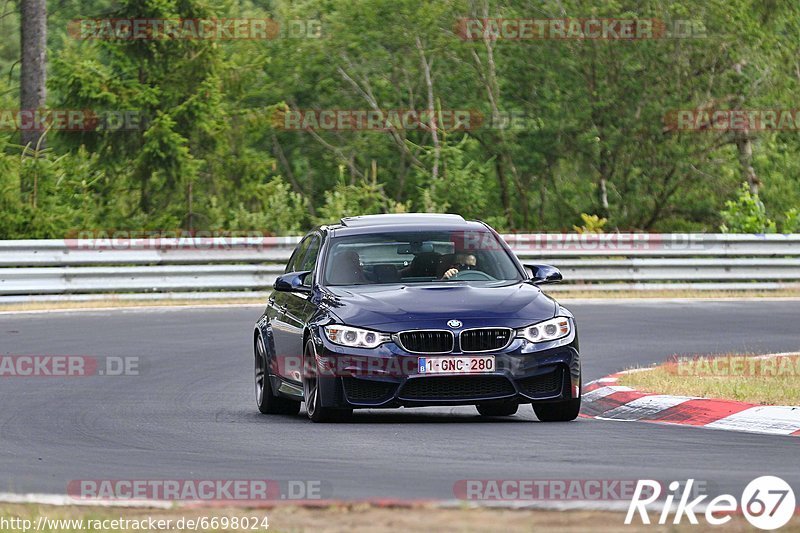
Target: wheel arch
column 306, row 335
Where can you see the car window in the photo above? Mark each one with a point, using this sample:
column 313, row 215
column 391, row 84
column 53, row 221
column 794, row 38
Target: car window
column 418, row 257
column 310, row 259
column 297, row 255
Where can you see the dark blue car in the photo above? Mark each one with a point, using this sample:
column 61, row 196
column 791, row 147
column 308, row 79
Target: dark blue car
column 411, row 310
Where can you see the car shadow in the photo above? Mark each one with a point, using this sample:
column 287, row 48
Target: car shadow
column 427, row 417
column 376, row 416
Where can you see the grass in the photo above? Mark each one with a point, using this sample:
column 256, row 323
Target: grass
column 752, row 379
column 358, row 517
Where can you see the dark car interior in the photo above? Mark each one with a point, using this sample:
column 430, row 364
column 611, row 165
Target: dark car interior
column 348, row 267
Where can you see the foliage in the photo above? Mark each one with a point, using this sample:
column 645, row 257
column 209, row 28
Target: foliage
column 357, row 199
column 559, row 128
column 746, row 214
column 791, row 223
column 591, row 224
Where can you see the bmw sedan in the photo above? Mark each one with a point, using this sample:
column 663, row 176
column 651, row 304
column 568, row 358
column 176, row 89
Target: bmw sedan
column 412, row 310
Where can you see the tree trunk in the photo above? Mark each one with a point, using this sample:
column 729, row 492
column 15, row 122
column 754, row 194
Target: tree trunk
column 426, row 69
column 33, row 40
column 504, row 193
column 602, row 191
column 744, row 146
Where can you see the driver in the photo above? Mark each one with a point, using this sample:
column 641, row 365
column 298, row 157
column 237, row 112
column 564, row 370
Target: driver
column 462, row 261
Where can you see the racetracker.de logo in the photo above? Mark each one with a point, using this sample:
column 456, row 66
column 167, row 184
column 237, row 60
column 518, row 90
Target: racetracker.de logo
column 612, row 29
column 69, row 366
column 732, row 366
column 725, row 120
column 70, row 120
column 121, row 29
column 545, row 489
column 198, row 489
column 380, row 120
column 358, row 366
column 197, row 240
column 580, row 242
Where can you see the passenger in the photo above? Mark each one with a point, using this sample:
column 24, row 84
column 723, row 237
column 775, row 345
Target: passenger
column 346, row 269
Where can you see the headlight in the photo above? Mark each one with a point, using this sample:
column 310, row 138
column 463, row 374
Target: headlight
column 355, row 337
column 549, row 330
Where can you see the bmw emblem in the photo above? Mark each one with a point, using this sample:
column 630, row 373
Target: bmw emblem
column 454, row 324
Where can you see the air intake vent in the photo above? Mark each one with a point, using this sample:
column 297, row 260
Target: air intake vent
column 367, row 391
column 484, row 339
column 457, row 388
column 545, row 385
column 427, row 341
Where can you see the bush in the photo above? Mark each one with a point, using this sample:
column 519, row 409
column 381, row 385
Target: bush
column 746, row 214
column 591, row 224
column 791, row 221
column 273, row 208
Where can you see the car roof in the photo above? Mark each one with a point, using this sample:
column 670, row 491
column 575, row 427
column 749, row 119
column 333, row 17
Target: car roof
column 403, row 221
column 401, row 218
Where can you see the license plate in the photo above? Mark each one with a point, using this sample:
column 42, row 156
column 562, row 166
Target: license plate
column 456, row 365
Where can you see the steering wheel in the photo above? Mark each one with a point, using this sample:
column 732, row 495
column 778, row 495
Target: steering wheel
column 472, row 275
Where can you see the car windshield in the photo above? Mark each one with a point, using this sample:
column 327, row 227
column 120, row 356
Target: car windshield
column 418, row 257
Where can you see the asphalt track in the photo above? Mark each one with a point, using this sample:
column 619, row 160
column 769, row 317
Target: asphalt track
column 191, row 412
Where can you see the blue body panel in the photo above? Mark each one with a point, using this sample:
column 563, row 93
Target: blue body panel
column 388, row 375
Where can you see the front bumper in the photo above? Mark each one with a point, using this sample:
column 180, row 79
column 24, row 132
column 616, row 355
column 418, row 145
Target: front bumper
column 388, row 377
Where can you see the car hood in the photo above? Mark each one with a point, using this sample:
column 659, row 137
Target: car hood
column 431, row 305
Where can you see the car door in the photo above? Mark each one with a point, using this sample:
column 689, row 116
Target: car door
column 285, row 327
column 298, row 307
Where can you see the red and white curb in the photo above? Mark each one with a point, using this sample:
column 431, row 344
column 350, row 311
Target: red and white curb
column 605, row 400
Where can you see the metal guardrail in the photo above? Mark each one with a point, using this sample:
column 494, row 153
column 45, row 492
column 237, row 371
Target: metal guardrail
column 77, row 252
column 241, row 264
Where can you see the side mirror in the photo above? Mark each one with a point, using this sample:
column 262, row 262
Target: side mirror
column 292, row 282
column 544, row 274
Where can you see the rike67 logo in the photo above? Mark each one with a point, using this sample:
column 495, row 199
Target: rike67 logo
column 767, row 502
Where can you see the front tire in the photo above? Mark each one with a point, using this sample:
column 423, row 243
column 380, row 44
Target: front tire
column 311, row 391
column 564, row 411
column 268, row 403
